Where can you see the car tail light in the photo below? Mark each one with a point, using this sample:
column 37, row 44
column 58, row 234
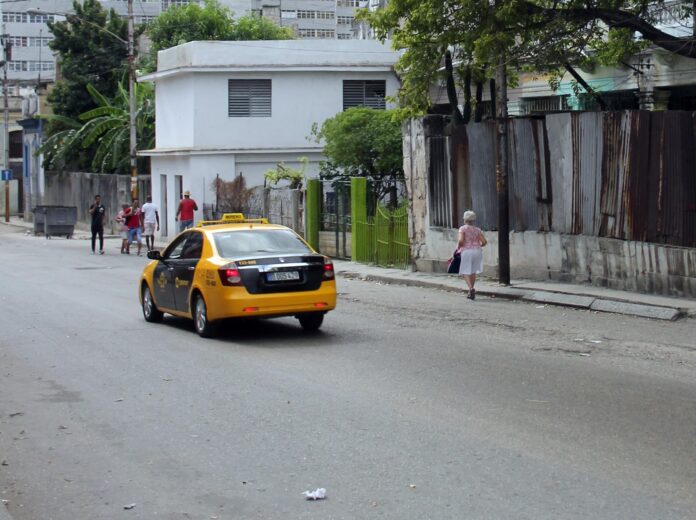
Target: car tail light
column 229, row 275
column 328, row 269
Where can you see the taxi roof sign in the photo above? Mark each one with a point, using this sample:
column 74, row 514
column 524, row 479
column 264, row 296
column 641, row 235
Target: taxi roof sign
column 233, row 218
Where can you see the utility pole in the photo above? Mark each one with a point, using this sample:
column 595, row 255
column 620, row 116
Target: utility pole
column 131, row 109
column 7, row 46
column 501, row 173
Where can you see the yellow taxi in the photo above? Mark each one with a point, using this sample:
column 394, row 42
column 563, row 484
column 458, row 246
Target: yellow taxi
column 237, row 268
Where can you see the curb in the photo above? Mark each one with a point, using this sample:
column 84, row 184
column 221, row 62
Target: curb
column 592, row 303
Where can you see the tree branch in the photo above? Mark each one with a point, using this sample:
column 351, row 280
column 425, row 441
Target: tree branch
column 584, row 84
column 621, row 19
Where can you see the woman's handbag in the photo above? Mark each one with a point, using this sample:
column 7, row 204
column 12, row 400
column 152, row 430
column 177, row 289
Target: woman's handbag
column 454, row 262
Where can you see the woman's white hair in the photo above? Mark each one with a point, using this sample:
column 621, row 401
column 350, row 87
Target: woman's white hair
column 469, row 216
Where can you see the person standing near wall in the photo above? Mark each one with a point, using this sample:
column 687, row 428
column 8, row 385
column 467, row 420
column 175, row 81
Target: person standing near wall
column 98, row 213
column 184, row 214
column 470, row 244
column 150, row 218
column 134, row 230
column 121, row 220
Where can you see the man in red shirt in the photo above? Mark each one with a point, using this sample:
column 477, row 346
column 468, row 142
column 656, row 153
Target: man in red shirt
column 185, row 212
column 134, row 229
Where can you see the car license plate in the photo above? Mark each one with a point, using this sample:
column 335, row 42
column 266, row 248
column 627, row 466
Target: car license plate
column 283, row 276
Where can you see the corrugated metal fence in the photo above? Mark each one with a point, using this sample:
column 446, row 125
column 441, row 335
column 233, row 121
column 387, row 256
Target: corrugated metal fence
column 628, row 175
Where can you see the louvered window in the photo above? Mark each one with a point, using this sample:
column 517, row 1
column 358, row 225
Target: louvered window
column 249, row 98
column 361, row 93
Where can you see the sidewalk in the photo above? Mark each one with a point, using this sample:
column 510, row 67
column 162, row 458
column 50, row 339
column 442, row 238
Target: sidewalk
column 546, row 292
column 549, row 293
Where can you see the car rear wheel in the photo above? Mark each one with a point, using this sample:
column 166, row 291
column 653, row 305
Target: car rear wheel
column 150, row 311
column 204, row 328
column 311, row 322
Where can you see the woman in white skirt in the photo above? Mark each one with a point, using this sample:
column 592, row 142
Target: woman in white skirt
column 470, row 244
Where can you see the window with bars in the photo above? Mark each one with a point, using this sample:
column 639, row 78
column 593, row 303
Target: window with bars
column 543, row 105
column 440, row 184
column 35, row 41
column 40, row 66
column 11, row 17
column 249, row 98
column 364, row 93
column 18, row 41
column 166, row 4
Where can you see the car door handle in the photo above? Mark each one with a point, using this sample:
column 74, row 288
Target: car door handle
column 191, row 268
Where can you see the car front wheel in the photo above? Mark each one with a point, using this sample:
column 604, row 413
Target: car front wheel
column 311, row 322
column 204, row 328
column 150, row 311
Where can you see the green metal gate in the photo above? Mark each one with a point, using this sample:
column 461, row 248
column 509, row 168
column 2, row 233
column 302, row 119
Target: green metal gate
column 379, row 234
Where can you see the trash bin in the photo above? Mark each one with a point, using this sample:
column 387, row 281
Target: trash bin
column 55, row 220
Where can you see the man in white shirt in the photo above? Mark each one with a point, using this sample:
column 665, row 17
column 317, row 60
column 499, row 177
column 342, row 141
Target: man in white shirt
column 150, row 218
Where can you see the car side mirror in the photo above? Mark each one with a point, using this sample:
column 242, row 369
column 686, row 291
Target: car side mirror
column 154, row 255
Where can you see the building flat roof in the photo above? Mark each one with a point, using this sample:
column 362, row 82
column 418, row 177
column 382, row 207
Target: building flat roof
column 295, row 55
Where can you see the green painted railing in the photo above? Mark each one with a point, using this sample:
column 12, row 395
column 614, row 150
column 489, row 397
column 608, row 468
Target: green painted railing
column 391, row 237
column 381, row 239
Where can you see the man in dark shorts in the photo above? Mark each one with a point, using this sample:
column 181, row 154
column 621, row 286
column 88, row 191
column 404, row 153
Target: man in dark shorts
column 98, row 213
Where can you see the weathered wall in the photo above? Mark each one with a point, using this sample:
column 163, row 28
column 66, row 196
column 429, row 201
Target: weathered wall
column 564, row 193
column 327, row 244
column 79, row 188
column 279, row 205
column 604, row 262
column 14, row 198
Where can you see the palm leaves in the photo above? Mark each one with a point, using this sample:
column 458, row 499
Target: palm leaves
column 104, row 130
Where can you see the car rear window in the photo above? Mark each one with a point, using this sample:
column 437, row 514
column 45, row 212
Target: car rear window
column 258, row 242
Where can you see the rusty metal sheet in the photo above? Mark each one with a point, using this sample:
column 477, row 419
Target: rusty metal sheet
column 628, row 175
column 530, row 187
column 482, row 157
column 689, row 185
column 587, row 167
column 559, row 134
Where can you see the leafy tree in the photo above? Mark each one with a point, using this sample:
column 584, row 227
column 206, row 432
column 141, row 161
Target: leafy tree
column 363, row 142
column 283, row 172
column 103, row 130
column 89, row 52
column 539, row 35
column 210, row 21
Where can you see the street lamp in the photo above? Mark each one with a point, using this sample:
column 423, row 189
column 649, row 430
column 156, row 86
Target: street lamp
column 130, row 44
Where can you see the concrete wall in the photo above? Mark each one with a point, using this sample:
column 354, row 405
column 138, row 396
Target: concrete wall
column 327, row 244
column 604, row 262
column 79, row 189
column 14, row 198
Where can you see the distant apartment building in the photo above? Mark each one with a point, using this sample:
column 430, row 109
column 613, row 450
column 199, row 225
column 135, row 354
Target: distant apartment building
column 32, row 60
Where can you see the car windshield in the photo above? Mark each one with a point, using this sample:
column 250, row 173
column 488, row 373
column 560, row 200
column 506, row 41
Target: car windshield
column 258, row 242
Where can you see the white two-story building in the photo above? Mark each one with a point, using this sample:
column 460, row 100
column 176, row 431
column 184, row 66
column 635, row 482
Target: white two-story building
column 230, row 108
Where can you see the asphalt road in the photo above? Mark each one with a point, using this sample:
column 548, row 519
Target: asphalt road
column 409, row 404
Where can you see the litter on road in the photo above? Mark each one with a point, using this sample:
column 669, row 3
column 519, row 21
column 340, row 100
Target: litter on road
column 317, row 494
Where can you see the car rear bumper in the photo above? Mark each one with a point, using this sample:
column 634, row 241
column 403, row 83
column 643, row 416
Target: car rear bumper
column 235, row 302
